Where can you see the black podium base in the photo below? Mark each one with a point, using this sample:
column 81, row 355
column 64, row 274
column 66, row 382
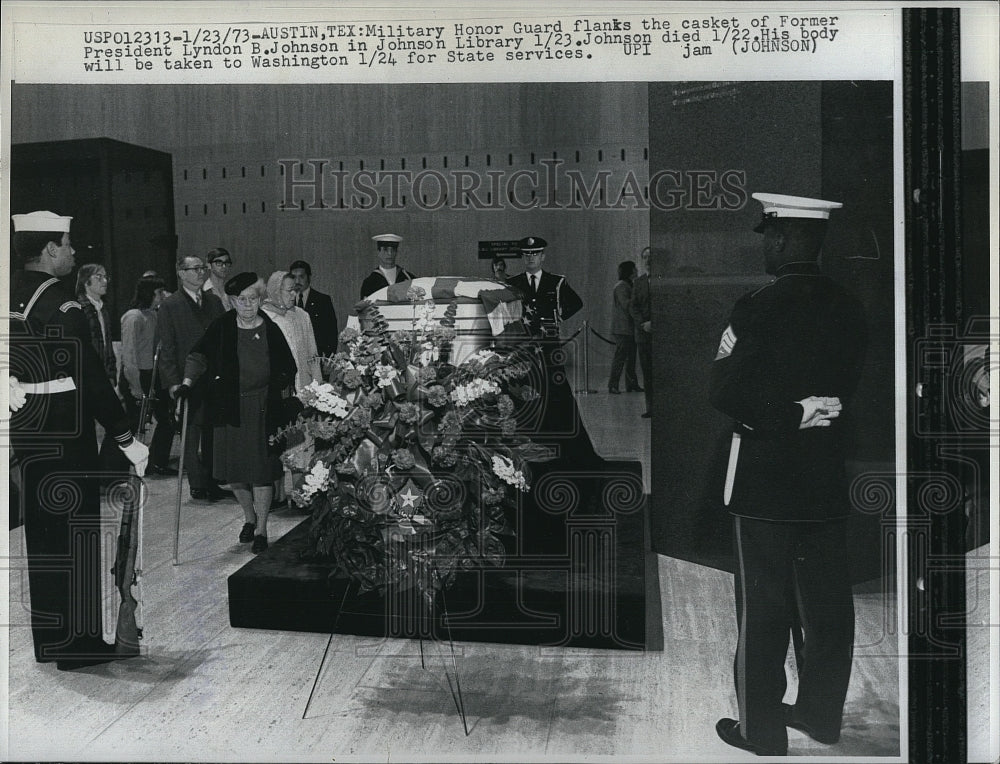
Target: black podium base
column 588, row 591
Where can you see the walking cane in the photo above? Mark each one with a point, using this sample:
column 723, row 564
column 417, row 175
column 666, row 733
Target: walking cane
column 180, row 480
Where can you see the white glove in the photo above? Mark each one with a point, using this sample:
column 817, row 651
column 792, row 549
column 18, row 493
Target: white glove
column 818, row 411
column 137, row 452
column 17, row 395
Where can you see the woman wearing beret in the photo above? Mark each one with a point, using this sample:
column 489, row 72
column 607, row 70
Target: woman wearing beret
column 248, row 371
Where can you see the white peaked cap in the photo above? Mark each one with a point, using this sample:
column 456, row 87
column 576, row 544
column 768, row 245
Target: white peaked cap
column 41, row 221
column 782, row 206
column 387, row 238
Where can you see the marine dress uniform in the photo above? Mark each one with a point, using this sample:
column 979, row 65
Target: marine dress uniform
column 54, row 440
column 802, row 335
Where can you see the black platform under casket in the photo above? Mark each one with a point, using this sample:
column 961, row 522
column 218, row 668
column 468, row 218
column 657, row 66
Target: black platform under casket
column 578, row 569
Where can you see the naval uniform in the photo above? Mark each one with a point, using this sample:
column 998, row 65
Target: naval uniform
column 801, row 335
column 54, row 440
column 376, row 280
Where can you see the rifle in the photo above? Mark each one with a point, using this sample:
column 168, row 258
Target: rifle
column 127, row 568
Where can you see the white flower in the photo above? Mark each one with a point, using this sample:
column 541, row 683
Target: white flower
column 322, row 397
column 465, row 394
column 316, row 481
column 484, row 355
column 386, row 374
column 503, row 468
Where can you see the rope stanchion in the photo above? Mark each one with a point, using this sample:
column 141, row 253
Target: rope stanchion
column 602, row 337
column 586, row 389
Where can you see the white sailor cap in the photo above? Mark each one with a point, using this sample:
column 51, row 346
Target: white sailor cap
column 782, row 206
column 42, row 220
column 387, row 240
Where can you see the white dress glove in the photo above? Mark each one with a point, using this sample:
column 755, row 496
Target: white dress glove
column 17, row 395
column 137, row 452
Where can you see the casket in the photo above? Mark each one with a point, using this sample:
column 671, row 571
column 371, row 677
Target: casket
column 485, row 308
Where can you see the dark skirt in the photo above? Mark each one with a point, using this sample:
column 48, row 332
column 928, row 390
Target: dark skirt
column 241, row 453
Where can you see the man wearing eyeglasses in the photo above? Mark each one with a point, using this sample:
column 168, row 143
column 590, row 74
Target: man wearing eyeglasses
column 220, row 267
column 182, row 320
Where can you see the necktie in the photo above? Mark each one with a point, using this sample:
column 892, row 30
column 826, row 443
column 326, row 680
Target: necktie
column 534, row 287
column 298, row 301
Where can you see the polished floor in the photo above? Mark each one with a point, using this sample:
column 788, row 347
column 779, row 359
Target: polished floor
column 205, row 691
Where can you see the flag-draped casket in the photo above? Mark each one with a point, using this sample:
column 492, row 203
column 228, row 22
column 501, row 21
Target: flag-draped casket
column 485, row 308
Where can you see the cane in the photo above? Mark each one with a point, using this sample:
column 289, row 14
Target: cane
column 180, row 480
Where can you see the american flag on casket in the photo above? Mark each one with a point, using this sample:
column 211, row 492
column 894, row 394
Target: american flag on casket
column 483, row 304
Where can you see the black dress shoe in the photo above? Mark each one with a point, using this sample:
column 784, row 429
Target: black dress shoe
column 635, row 389
column 614, row 391
column 246, row 535
column 259, row 544
column 646, row 415
column 797, row 724
column 729, row 731
column 218, row 494
column 158, row 471
column 199, row 494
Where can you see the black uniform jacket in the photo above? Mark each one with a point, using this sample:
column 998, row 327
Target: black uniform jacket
column 376, row 280
column 801, row 335
column 554, row 300
column 213, row 363
column 54, row 342
column 323, row 317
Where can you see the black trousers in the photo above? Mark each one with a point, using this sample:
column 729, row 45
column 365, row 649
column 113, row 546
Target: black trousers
column 61, row 507
column 624, row 358
column 791, row 575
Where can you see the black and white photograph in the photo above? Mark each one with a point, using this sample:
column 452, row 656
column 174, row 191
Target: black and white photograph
column 497, row 383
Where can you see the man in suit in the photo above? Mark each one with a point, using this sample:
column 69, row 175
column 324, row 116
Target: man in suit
column 58, row 388
column 641, row 309
column 785, row 371
column 181, row 320
column 220, row 266
column 387, row 272
column 548, row 298
column 318, row 305
column 623, row 330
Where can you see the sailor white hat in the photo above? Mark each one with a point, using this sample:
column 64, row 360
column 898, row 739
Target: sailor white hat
column 783, row 206
column 389, row 239
column 43, row 220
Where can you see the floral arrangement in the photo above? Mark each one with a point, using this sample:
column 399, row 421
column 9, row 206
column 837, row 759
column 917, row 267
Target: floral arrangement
column 407, row 461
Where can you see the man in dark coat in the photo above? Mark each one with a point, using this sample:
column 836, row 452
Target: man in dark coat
column 387, row 272
column 181, row 320
column 58, row 388
column 318, row 305
column 785, row 371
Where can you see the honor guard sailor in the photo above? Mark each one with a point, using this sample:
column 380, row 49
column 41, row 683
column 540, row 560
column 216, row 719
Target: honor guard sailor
column 387, row 272
column 786, row 368
column 548, row 298
column 59, row 387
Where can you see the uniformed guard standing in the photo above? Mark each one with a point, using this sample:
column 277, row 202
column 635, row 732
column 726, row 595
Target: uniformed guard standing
column 387, row 272
column 785, row 371
column 58, row 388
column 548, row 297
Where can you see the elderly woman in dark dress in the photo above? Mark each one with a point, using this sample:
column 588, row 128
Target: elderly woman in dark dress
column 248, row 370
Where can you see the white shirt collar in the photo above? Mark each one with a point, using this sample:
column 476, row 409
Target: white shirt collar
column 97, row 301
column 193, row 295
